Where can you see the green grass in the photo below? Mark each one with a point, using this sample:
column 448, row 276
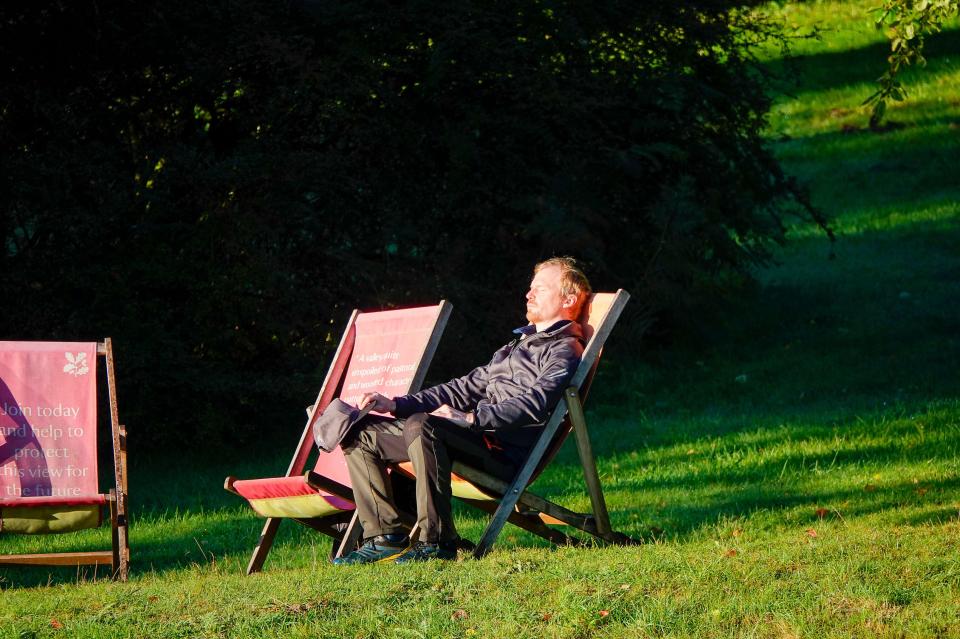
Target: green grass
column 794, row 471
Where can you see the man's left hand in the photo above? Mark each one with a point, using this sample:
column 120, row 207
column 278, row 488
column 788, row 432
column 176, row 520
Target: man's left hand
column 454, row 415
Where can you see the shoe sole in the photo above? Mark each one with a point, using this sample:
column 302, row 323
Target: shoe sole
column 391, row 557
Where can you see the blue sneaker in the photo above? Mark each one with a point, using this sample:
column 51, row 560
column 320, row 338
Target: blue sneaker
column 375, row 549
column 426, row 551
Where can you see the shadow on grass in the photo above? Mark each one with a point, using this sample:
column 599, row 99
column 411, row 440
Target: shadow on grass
column 160, row 545
column 181, row 517
column 830, row 70
column 679, row 494
column 805, row 509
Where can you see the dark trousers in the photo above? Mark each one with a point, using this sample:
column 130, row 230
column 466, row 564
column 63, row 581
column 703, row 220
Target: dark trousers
column 431, row 444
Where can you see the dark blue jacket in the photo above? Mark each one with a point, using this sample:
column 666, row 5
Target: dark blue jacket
column 515, row 393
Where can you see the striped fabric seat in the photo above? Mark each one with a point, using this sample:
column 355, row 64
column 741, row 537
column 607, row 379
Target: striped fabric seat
column 289, row 497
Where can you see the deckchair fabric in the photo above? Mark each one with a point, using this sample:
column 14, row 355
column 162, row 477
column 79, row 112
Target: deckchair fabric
column 49, row 481
column 386, row 352
column 39, row 520
column 500, row 498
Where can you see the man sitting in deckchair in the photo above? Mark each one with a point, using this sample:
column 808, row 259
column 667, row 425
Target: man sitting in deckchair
column 498, row 409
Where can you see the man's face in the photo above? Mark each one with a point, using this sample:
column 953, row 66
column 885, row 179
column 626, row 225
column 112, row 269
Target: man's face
column 545, row 305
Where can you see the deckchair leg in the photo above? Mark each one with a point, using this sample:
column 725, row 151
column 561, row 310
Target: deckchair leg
column 120, row 550
column 264, row 544
column 577, row 418
column 530, row 524
column 516, row 488
column 119, row 518
column 114, row 536
column 350, row 539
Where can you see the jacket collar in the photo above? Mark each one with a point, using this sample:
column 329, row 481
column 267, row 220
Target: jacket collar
column 563, row 327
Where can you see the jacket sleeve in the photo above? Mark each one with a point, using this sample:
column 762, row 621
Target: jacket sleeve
column 462, row 393
column 535, row 404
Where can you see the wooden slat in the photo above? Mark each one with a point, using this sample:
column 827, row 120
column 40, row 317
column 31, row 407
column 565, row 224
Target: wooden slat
column 319, row 482
column 530, row 524
column 119, row 517
column 350, row 539
column 100, row 557
column 528, row 500
column 443, row 314
column 588, row 462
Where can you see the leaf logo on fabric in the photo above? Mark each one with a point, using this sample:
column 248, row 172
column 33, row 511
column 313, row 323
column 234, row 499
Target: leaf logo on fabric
column 76, row 364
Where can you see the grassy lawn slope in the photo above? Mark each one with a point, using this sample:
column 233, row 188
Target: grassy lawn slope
column 795, row 474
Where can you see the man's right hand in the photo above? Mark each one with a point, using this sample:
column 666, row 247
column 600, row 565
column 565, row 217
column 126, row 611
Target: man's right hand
column 381, row 404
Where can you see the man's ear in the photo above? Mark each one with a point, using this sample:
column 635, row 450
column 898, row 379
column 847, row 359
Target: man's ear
column 569, row 301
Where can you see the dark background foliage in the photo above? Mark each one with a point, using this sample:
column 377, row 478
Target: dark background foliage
column 215, row 185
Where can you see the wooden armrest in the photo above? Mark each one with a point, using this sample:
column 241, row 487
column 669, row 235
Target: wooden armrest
column 335, row 488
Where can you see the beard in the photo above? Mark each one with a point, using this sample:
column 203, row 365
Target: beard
column 533, row 315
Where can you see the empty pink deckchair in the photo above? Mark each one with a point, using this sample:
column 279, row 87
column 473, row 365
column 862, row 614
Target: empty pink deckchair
column 386, row 352
column 48, row 450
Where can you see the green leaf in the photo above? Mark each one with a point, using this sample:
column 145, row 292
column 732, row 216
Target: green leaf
column 879, row 110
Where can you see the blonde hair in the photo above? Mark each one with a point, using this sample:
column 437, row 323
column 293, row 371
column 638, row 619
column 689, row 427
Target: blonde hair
column 572, row 279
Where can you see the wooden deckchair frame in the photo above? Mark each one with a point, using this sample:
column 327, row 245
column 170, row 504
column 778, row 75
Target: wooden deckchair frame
column 118, row 557
column 536, row 509
column 328, row 391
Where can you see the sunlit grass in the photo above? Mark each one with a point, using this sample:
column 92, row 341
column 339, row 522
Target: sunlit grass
column 934, row 97
column 942, row 217
column 794, row 470
column 840, row 26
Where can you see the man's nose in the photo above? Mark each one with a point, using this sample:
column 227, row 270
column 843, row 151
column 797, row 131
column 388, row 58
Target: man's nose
column 530, row 294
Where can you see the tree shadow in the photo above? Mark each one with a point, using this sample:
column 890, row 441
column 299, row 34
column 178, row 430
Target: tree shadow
column 168, row 543
column 835, row 69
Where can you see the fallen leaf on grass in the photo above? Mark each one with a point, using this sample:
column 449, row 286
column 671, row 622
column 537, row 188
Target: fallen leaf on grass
column 822, row 512
column 546, row 616
column 736, row 532
column 730, row 553
column 604, row 613
column 459, row 614
column 56, row 625
column 811, row 532
column 153, row 599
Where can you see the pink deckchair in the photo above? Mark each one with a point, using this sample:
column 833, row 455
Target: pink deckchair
column 386, row 352
column 48, row 450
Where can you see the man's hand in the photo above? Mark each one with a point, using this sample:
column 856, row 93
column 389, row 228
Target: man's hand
column 455, row 416
column 381, row 404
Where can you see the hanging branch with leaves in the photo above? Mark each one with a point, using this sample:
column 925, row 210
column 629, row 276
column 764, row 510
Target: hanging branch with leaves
column 907, row 22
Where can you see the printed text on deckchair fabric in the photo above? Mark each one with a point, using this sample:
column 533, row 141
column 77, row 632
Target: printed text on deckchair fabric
column 48, row 417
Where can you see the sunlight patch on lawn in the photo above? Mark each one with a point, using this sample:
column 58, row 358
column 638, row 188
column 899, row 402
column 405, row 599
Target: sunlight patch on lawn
column 945, row 215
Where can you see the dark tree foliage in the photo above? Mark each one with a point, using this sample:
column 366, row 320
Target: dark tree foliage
column 215, row 184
